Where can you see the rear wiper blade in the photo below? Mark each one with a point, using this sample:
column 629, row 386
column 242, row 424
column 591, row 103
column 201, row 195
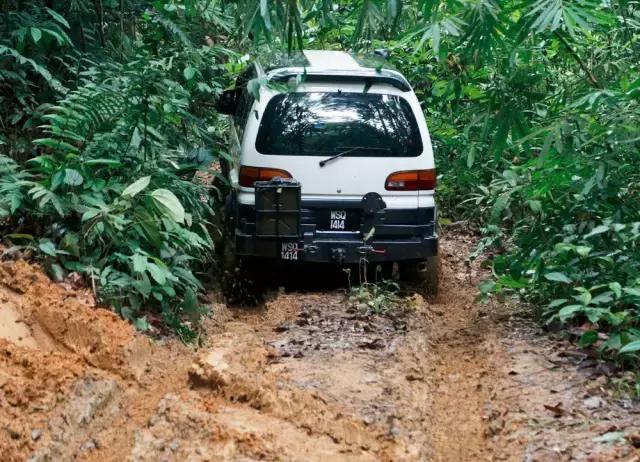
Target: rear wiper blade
column 347, row 150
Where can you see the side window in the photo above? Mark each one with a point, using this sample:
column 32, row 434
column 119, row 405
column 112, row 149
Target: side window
column 245, row 99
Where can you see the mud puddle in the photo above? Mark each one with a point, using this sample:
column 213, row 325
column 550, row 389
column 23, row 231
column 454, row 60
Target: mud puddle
column 307, row 377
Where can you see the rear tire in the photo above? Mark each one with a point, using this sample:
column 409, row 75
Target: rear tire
column 242, row 279
column 424, row 275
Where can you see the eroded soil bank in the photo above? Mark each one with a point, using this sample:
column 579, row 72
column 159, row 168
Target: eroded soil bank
column 307, row 377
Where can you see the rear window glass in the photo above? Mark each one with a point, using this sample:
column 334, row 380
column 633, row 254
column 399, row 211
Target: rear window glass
column 320, row 124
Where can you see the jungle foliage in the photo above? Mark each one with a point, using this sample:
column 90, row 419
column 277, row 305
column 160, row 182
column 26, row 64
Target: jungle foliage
column 533, row 105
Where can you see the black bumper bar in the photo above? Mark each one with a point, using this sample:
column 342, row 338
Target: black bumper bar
column 333, row 247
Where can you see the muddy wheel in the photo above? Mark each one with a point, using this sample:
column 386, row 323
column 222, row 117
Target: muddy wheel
column 241, row 278
column 243, row 281
column 424, row 275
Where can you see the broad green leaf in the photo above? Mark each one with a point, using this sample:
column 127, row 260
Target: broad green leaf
column 569, row 311
column 189, row 72
column 139, row 263
column 616, row 288
column 48, row 248
column 57, row 272
column 558, row 277
column 168, row 204
column 73, row 177
column 588, row 338
column 156, row 273
column 632, row 291
column 36, row 34
column 136, row 187
column 584, row 296
column 583, row 250
column 143, row 286
column 631, row 347
column 598, row 230
column 142, row 324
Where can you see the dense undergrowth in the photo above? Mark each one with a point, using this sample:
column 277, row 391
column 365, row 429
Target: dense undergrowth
column 107, row 115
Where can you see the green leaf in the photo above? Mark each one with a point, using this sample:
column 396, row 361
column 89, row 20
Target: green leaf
column 631, row 347
column 632, row 291
column 588, row 338
column 569, row 311
column 136, row 187
column 142, row 324
column 168, row 204
column 28, row 237
column 105, row 162
column 56, row 272
column 47, row 248
column 598, row 230
column 72, row 177
column 143, row 286
column 616, row 288
column 584, row 297
column 471, row 157
column 558, row 277
column 139, row 263
column 56, row 145
column 156, row 273
column 189, row 72
column 36, row 34
column 58, row 17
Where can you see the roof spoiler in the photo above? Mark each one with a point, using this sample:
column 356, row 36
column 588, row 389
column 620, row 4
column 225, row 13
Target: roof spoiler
column 367, row 76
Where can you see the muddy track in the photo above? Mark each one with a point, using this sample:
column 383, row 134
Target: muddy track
column 306, row 377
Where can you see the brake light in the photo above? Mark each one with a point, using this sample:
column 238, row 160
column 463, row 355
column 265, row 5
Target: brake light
column 411, row 180
column 249, row 175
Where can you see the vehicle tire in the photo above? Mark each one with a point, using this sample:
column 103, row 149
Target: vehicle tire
column 424, row 275
column 242, row 279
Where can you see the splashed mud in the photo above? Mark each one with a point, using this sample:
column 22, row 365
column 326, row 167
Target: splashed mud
column 305, row 378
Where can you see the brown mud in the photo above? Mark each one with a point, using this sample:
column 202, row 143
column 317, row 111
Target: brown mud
column 308, row 377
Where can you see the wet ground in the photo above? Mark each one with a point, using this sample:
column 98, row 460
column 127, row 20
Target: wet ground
column 309, row 376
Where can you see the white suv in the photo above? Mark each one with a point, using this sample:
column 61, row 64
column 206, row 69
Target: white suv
column 332, row 162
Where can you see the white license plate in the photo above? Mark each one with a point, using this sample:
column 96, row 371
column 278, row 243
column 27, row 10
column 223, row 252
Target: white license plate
column 337, row 219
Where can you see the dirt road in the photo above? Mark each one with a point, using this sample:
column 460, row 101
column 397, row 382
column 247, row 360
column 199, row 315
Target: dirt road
column 305, row 378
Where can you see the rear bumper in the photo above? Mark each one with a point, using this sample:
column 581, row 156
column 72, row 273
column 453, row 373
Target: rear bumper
column 400, row 234
column 338, row 249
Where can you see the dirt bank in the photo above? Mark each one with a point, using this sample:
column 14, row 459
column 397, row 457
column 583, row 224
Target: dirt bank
column 307, row 377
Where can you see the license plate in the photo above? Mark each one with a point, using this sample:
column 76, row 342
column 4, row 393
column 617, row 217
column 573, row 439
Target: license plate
column 337, row 220
column 289, row 251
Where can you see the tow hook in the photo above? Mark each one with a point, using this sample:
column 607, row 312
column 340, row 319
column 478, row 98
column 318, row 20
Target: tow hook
column 367, row 249
column 338, row 255
column 309, row 248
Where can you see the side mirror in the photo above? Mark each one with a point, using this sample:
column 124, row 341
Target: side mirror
column 226, row 104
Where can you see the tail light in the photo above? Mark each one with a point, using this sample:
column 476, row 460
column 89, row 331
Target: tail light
column 249, row 175
column 411, row 180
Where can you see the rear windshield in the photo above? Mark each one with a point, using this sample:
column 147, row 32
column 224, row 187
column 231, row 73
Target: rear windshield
column 320, row 124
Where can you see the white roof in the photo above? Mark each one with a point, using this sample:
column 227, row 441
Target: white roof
column 325, row 59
